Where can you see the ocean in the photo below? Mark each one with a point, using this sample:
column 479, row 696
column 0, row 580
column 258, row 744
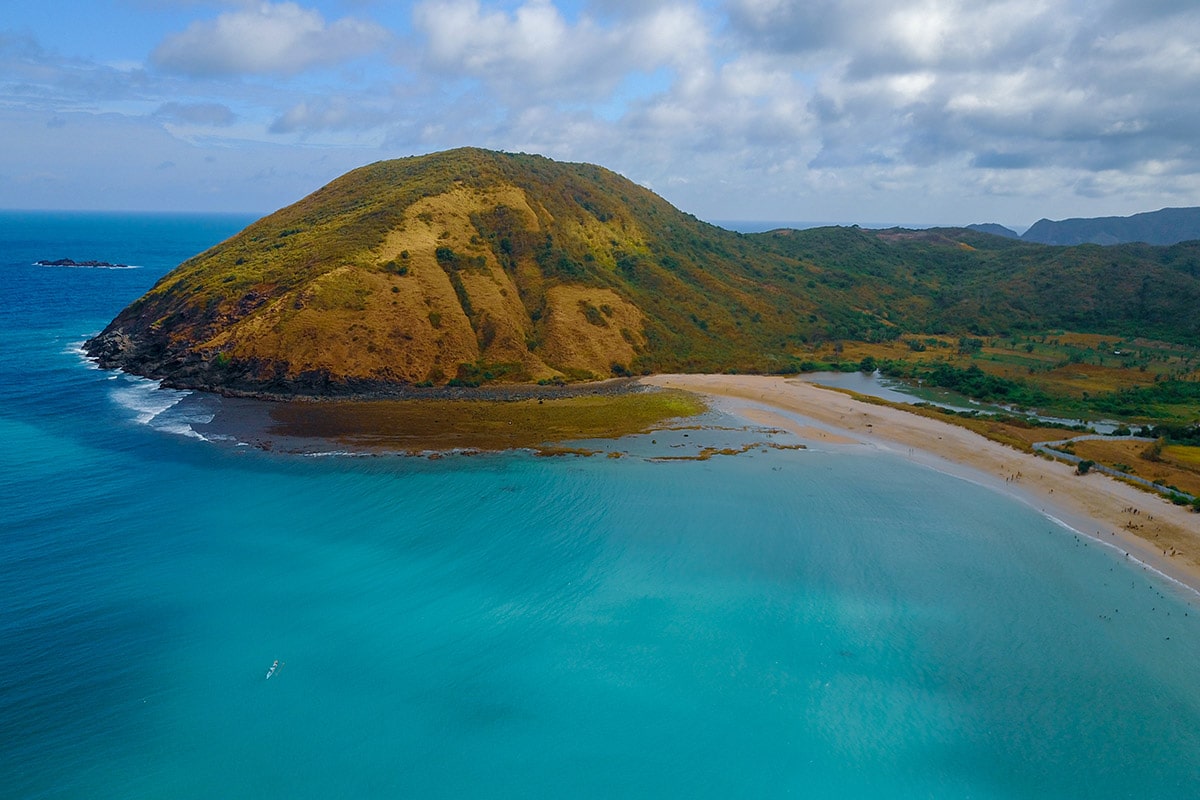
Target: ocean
column 823, row 623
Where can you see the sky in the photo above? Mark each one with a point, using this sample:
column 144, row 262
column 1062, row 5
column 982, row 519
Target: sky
column 913, row 112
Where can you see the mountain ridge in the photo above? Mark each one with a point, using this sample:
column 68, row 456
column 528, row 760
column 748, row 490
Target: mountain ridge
column 1166, row 226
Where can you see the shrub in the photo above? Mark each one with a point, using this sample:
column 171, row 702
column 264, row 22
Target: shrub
column 592, row 314
column 1085, row 466
column 969, row 345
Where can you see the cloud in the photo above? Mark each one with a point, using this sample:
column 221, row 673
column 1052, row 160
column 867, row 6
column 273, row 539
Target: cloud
column 329, row 114
column 810, row 109
column 33, row 77
column 1016, row 84
column 267, row 38
column 214, row 114
column 534, row 53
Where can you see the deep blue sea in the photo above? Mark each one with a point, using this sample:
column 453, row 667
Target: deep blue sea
column 822, row 623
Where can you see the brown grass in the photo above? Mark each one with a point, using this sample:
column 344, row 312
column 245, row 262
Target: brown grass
column 610, row 342
column 367, row 320
column 1182, row 456
column 1179, row 467
column 1074, row 379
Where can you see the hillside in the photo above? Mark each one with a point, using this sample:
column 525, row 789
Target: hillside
column 462, row 266
column 472, row 266
column 1164, row 227
column 952, row 280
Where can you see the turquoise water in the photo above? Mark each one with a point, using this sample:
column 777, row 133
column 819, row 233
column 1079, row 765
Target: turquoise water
column 816, row 623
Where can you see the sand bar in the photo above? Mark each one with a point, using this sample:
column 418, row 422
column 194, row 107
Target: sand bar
column 1150, row 529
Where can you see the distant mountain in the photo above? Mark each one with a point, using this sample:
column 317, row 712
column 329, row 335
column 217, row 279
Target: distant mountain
column 995, row 229
column 1164, row 227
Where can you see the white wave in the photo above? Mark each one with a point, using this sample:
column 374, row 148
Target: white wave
column 1116, row 546
column 87, row 266
column 150, row 403
column 145, row 398
column 179, row 429
column 76, row 349
column 182, row 422
column 222, row 437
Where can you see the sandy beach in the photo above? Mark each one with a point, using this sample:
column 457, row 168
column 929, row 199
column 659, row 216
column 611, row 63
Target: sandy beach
column 1162, row 536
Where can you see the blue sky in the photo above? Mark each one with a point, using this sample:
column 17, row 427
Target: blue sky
column 868, row 111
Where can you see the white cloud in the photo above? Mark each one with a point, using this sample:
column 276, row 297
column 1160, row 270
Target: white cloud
column 267, row 38
column 535, row 53
column 810, row 109
column 1017, row 84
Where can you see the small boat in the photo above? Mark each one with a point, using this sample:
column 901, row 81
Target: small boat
column 274, row 668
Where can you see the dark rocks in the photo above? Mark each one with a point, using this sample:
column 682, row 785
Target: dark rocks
column 111, row 349
column 67, row 262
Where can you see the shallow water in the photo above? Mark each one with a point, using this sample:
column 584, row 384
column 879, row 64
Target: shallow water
column 875, row 384
column 822, row 622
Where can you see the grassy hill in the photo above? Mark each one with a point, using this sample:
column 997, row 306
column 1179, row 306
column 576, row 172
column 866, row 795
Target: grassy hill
column 472, row 266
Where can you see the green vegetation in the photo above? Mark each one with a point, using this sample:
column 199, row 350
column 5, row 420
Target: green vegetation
column 1065, row 374
column 953, row 281
column 972, row 382
column 418, row 426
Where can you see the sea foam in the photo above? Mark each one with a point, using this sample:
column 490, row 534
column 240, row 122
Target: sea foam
column 76, row 349
column 149, row 403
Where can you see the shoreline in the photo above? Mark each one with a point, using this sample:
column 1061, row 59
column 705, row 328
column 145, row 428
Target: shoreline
column 495, row 392
column 1148, row 529
column 1162, row 537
